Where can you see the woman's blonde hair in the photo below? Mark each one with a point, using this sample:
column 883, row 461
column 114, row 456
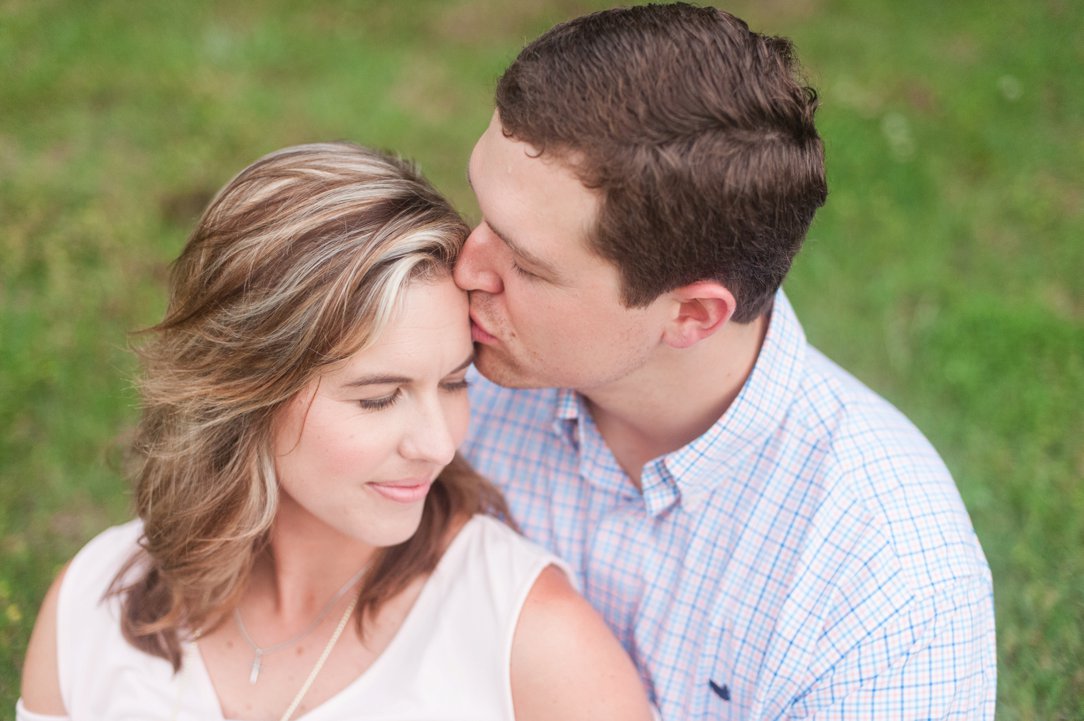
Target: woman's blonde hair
column 297, row 263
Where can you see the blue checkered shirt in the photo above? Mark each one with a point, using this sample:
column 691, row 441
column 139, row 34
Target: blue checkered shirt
column 808, row 556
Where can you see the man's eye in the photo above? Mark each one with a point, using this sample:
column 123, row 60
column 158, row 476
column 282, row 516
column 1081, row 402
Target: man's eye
column 520, row 271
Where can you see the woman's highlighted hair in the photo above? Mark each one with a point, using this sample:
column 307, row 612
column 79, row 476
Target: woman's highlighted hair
column 298, row 262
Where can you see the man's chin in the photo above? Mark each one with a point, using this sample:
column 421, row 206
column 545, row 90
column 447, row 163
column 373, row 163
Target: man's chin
column 498, row 369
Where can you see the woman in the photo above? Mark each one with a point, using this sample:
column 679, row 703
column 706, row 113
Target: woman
column 307, row 541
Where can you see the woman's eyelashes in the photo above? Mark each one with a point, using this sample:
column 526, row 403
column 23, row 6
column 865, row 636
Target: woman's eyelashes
column 456, row 385
column 376, row 404
column 386, row 401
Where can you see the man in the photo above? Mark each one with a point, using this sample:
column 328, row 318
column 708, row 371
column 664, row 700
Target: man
column 767, row 537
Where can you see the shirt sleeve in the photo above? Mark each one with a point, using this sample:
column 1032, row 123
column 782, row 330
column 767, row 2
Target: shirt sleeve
column 934, row 660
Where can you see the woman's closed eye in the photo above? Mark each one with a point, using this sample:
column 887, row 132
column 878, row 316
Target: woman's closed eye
column 455, row 385
column 381, row 402
column 386, row 401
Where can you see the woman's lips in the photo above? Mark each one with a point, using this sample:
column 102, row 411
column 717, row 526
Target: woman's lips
column 403, row 491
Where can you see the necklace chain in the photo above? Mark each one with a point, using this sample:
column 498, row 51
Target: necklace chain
column 320, row 661
column 260, row 651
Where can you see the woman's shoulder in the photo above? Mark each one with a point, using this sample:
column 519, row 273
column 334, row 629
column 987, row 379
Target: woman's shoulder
column 491, row 531
column 98, row 562
column 484, row 524
column 87, row 615
column 84, row 603
column 485, row 576
column 561, row 642
column 487, row 543
column 113, row 541
column 76, row 591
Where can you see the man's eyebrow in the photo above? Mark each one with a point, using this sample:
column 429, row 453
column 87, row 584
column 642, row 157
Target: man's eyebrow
column 379, row 379
column 531, row 259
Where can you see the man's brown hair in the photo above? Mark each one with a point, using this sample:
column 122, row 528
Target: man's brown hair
column 697, row 132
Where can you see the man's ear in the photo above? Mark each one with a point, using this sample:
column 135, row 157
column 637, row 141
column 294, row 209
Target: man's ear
column 700, row 309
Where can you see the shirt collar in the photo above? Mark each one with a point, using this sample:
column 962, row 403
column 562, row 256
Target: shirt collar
column 568, row 406
column 754, row 416
column 692, row 472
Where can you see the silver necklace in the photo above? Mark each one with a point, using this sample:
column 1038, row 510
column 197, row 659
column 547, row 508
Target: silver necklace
column 320, row 661
column 260, row 651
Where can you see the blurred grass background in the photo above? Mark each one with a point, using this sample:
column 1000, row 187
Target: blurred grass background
column 945, row 270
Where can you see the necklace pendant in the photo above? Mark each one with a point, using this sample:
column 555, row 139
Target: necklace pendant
column 254, row 674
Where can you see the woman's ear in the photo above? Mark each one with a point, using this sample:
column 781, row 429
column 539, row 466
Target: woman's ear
column 700, row 309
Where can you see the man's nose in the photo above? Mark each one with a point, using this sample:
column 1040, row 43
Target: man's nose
column 475, row 268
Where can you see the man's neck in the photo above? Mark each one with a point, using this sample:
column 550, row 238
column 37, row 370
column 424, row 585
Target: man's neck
column 676, row 397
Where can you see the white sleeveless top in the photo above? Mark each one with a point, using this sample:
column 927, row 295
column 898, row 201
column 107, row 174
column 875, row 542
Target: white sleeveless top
column 449, row 661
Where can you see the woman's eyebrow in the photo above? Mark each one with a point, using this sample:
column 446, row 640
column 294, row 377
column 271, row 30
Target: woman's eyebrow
column 464, row 364
column 378, row 379
column 375, row 380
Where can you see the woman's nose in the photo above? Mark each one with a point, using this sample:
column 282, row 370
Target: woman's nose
column 430, row 437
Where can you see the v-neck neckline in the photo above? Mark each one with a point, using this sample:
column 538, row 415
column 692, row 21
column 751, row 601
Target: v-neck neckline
column 194, row 664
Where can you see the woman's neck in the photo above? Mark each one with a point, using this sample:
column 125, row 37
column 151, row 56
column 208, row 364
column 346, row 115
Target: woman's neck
column 305, row 563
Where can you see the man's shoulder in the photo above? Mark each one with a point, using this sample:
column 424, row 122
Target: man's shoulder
column 859, row 432
column 832, row 399
column 884, row 563
column 820, row 417
column 877, row 468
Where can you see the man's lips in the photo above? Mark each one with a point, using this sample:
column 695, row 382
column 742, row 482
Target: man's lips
column 408, row 491
column 478, row 334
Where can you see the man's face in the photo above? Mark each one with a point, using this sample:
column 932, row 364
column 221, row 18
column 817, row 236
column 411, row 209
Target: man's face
column 545, row 310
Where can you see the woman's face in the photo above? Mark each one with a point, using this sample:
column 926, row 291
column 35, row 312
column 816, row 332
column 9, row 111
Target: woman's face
column 357, row 450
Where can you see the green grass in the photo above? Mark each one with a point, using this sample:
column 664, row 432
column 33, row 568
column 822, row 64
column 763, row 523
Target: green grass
column 945, row 270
